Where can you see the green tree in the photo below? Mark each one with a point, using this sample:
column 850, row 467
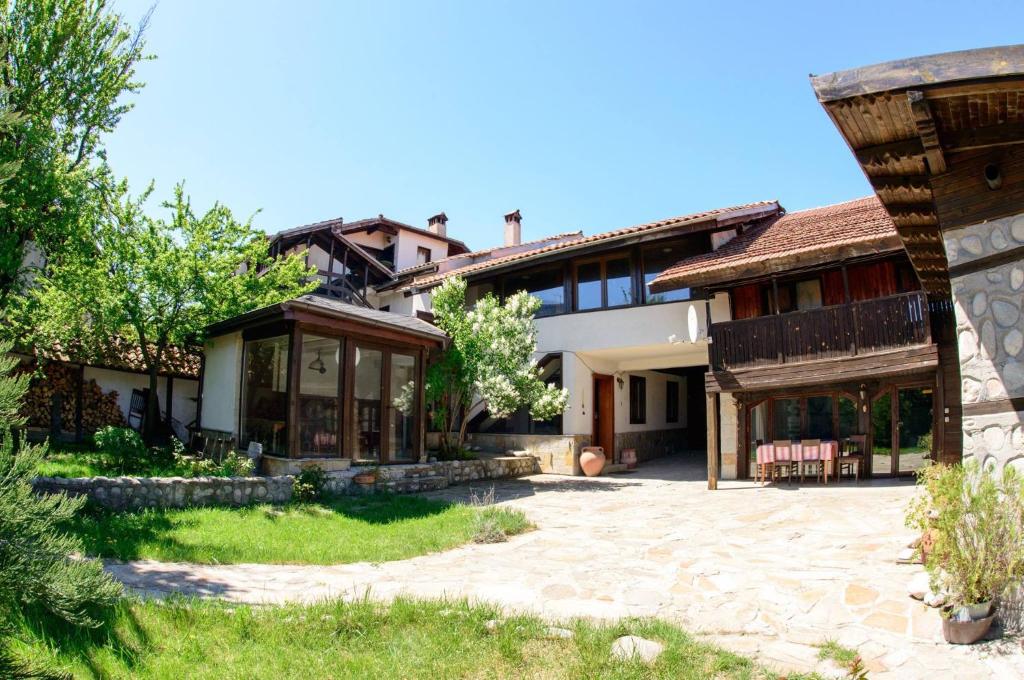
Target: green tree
column 65, row 67
column 158, row 283
column 488, row 362
column 38, row 572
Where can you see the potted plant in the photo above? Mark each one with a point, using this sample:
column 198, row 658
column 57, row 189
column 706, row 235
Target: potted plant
column 976, row 520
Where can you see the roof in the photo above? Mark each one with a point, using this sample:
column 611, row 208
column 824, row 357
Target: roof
column 335, row 308
column 359, row 225
column 734, row 214
column 126, row 356
column 797, row 239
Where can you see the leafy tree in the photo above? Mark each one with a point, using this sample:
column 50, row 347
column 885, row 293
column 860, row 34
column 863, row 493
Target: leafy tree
column 158, row 283
column 38, row 572
column 65, row 67
column 489, row 362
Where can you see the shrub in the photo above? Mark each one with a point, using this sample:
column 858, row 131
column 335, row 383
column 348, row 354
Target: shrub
column 492, row 523
column 237, row 465
column 976, row 517
column 309, row 484
column 123, row 446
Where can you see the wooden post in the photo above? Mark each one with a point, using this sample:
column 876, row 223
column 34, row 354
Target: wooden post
column 330, row 267
column 713, row 441
column 778, row 320
column 168, row 418
column 292, row 417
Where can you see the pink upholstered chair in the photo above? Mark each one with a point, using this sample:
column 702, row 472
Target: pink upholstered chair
column 810, row 455
column 784, row 460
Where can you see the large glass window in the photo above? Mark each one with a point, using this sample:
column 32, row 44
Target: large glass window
column 819, row 418
column 606, row 282
column 786, row 420
column 658, row 258
column 366, row 402
column 265, row 394
column 588, row 286
column 619, row 283
column 758, row 431
column 637, row 400
column 881, row 435
column 546, row 284
column 319, row 371
column 402, row 409
column 847, row 418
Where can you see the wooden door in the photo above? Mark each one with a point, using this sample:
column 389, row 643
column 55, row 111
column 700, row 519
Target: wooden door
column 604, row 415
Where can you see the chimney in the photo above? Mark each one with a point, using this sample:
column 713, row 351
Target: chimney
column 513, row 228
column 438, row 224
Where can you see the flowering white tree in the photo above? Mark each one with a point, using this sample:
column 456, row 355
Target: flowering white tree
column 489, row 362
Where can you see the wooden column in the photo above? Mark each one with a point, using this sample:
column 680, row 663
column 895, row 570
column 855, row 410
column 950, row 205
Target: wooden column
column 292, row 418
column 168, row 419
column 421, row 407
column 79, row 399
column 713, row 441
column 330, row 267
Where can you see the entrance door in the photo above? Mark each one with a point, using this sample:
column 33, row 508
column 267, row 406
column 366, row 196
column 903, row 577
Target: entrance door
column 901, row 430
column 604, row 415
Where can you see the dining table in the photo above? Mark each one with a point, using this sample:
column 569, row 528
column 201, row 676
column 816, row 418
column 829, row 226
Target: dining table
column 827, row 451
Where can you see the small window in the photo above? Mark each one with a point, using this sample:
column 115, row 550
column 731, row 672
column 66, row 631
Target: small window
column 385, row 308
column 671, row 402
column 425, row 316
column 637, row 400
column 422, row 255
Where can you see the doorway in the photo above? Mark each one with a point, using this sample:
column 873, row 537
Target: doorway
column 603, row 411
column 902, row 424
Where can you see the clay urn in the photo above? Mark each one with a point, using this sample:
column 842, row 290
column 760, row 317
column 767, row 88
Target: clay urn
column 629, row 458
column 592, row 460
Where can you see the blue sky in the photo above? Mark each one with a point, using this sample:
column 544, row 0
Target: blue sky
column 585, row 115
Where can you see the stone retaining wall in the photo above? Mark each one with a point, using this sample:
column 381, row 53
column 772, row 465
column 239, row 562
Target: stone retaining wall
column 129, row 493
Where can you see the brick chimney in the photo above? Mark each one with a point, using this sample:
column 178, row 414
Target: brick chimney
column 513, row 228
column 438, row 224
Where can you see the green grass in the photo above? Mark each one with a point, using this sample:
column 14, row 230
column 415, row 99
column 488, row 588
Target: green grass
column 405, row 639
column 844, row 656
column 84, row 460
column 374, row 528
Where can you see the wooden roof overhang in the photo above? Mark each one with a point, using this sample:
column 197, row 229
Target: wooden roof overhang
column 322, row 236
column 923, row 131
column 337, row 318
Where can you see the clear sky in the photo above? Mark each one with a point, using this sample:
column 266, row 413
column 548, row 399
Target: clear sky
column 586, row 115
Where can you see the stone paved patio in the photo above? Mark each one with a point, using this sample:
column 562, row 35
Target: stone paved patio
column 769, row 572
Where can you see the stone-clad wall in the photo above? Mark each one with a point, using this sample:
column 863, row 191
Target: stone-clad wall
column 990, row 338
column 128, row 493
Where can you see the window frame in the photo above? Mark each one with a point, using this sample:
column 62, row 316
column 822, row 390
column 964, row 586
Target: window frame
column 421, row 250
column 603, row 260
column 671, row 401
column 637, row 400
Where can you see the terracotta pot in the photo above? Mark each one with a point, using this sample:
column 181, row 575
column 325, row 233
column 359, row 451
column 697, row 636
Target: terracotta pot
column 629, row 458
column 365, row 478
column 973, row 612
column 965, row 632
column 592, row 460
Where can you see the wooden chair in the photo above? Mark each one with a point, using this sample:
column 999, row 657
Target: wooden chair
column 784, row 460
column 851, row 456
column 811, row 455
column 216, row 445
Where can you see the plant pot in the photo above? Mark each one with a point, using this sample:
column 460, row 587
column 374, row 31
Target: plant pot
column 629, row 458
column 972, row 612
column 592, row 460
column 965, row 632
column 365, row 478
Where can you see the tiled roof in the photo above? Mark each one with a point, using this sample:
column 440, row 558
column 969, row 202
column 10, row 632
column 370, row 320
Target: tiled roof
column 486, row 251
column 359, row 225
column 374, row 316
column 718, row 213
column 817, row 230
column 126, row 356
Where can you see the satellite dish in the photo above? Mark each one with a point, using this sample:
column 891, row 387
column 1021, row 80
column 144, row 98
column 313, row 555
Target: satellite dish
column 692, row 324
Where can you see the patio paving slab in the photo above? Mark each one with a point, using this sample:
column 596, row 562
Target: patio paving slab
column 767, row 571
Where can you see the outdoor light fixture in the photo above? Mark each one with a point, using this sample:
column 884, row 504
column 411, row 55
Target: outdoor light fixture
column 620, row 381
column 993, row 176
column 318, row 364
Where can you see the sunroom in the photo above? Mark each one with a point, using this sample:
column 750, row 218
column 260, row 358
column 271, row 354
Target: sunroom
column 317, row 379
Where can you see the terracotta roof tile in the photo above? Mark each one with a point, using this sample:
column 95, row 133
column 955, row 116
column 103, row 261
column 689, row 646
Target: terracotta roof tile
column 861, row 221
column 586, row 240
column 126, row 356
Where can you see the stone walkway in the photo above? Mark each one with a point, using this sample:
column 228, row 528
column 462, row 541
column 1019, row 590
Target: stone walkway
column 767, row 572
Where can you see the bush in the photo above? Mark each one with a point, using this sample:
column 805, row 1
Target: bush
column 976, row 517
column 123, row 446
column 237, row 465
column 309, row 485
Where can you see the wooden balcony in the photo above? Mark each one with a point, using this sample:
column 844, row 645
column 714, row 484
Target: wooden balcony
column 858, row 329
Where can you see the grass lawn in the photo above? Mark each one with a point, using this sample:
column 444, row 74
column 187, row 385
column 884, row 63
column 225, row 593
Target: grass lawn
column 81, row 460
column 374, row 528
column 405, row 639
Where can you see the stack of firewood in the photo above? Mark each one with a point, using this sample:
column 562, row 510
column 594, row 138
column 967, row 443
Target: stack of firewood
column 99, row 409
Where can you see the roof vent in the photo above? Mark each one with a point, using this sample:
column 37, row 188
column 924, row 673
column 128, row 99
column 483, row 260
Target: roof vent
column 513, row 228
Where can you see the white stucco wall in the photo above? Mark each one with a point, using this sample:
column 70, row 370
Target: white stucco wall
column 221, row 382
column 408, row 242
column 655, row 402
column 183, row 408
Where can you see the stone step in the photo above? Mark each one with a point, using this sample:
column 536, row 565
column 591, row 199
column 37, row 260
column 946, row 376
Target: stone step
column 413, row 484
column 613, row 468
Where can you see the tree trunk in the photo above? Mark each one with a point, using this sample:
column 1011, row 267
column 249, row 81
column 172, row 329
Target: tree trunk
column 151, row 423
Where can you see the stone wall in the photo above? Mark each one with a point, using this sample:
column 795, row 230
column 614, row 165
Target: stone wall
column 129, row 493
column 990, row 337
column 728, row 431
column 555, row 453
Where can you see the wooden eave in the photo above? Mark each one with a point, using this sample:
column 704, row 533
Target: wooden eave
column 917, row 125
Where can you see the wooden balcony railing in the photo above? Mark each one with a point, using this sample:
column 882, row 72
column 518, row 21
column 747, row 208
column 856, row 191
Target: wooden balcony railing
column 855, row 329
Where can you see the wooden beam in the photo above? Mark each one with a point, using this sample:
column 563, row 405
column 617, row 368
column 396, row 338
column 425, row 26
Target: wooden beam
column 883, row 154
column 984, row 137
column 713, row 440
column 894, row 182
column 919, row 211
column 927, row 130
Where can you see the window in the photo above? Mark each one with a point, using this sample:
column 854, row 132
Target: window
column 385, row 308
column 786, row 419
column 637, row 400
column 422, row 255
column 318, row 395
column 605, row 282
column 546, row 284
column 797, row 296
column 819, row 418
column 366, row 402
column 671, row 402
column 656, row 259
column 425, row 316
column 265, row 394
column 402, row 409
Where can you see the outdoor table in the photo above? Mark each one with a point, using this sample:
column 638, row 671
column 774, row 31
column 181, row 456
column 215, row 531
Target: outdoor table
column 828, row 451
